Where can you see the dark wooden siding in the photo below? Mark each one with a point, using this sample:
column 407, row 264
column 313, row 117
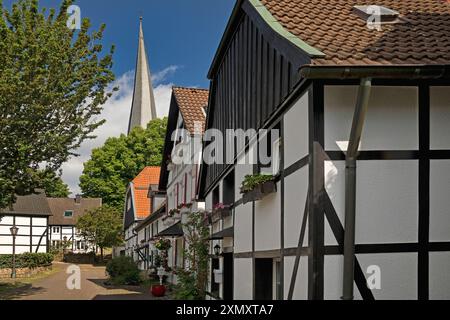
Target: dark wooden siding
column 252, row 81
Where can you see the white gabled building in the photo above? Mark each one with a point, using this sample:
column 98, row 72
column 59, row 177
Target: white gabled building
column 30, row 214
column 62, row 223
column 179, row 175
column 363, row 117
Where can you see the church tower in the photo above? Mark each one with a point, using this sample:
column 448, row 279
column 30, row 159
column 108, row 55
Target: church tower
column 143, row 108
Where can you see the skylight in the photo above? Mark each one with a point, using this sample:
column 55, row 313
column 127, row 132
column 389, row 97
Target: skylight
column 379, row 13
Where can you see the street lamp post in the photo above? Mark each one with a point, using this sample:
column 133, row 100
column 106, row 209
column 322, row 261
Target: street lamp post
column 14, row 230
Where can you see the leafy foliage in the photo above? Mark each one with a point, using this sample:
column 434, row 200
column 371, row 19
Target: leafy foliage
column 192, row 281
column 187, row 286
column 53, row 82
column 123, row 271
column 52, row 184
column 111, row 167
column 252, row 181
column 26, row 260
column 163, row 244
column 102, row 227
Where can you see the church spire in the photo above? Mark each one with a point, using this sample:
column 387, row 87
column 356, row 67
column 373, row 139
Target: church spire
column 143, row 108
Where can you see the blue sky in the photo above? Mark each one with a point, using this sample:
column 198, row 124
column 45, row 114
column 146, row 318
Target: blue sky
column 185, row 33
column 181, row 39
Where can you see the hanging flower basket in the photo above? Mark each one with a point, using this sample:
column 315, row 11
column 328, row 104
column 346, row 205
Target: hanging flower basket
column 163, row 244
column 174, row 213
column 185, row 208
column 256, row 187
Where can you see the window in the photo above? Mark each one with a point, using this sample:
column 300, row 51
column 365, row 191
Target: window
column 55, row 229
column 228, row 189
column 216, row 196
column 68, row 214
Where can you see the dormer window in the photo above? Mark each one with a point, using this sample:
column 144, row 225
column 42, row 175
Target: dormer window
column 68, row 214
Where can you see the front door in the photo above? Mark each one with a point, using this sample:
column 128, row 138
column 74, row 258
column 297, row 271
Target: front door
column 228, row 276
column 263, row 279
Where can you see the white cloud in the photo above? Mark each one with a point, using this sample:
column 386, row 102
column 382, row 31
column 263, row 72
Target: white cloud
column 116, row 112
column 162, row 75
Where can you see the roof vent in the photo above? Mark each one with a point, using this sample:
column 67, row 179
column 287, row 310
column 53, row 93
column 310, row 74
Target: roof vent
column 377, row 13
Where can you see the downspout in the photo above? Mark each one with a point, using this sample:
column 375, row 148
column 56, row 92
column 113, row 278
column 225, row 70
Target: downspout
column 350, row 186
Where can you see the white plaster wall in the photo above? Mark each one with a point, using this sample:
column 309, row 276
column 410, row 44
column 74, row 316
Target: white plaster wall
column 267, row 221
column 296, row 131
column 398, row 274
column 243, row 228
column 333, row 271
column 40, row 222
column 439, row 118
column 439, row 276
column 243, row 279
column 439, row 200
column 391, row 122
column 386, row 204
column 301, row 283
column 295, row 193
column 24, row 221
column 8, row 220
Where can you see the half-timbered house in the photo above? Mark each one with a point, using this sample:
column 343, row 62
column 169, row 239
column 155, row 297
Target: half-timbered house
column 30, row 214
column 62, row 229
column 360, row 97
column 179, row 175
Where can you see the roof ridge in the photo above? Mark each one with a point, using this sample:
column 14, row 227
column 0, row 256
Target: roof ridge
column 189, row 88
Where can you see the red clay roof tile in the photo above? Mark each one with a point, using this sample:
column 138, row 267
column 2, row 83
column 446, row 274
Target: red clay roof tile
column 344, row 38
column 141, row 186
column 191, row 101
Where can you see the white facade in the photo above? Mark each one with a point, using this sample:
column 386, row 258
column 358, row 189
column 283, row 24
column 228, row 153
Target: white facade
column 59, row 234
column 388, row 231
column 31, row 237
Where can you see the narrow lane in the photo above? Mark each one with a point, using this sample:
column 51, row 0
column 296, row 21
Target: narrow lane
column 92, row 281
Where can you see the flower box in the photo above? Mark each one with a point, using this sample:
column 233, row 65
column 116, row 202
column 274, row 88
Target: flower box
column 221, row 211
column 259, row 192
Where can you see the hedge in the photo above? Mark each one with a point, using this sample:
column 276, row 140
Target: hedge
column 26, row 260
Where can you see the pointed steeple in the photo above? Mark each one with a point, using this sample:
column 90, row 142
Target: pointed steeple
column 143, row 109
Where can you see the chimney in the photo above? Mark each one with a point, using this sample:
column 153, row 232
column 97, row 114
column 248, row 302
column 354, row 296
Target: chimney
column 78, row 198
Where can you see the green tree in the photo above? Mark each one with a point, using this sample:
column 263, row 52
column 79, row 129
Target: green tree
column 111, row 167
column 53, row 82
column 102, row 227
column 52, row 184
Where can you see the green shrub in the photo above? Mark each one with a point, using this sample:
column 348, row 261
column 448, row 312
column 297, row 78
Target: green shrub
column 123, row 271
column 186, row 289
column 26, row 260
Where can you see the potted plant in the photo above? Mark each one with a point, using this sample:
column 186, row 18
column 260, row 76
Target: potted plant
column 159, row 290
column 256, row 187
